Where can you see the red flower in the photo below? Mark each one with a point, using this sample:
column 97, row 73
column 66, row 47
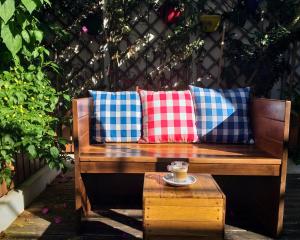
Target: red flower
column 172, row 15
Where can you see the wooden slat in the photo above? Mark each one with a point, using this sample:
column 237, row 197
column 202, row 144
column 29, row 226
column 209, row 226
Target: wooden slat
column 155, row 200
column 19, row 169
column 272, row 109
column 201, row 159
column 194, row 153
column 184, row 213
column 83, row 125
column 190, row 228
column 176, row 237
column 83, row 106
column 215, row 169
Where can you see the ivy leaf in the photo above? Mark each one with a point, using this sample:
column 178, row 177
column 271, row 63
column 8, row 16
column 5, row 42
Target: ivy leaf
column 30, row 5
column 38, row 35
column 40, row 75
column 54, row 152
column 7, row 10
column 13, row 43
column 7, row 140
column 31, row 150
column 67, row 97
column 25, row 36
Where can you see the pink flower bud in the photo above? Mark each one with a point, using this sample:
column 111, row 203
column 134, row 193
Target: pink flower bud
column 45, row 210
column 84, row 29
column 57, row 219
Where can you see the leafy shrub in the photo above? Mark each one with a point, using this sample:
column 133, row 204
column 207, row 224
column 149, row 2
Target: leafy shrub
column 27, row 99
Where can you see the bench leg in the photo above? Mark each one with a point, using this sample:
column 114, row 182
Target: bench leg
column 82, row 202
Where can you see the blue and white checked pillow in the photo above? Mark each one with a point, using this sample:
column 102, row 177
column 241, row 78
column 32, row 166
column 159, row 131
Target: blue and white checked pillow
column 222, row 115
column 117, row 116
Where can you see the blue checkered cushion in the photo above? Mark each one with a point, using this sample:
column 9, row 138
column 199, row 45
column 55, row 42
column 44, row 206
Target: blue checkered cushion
column 222, row 115
column 117, row 116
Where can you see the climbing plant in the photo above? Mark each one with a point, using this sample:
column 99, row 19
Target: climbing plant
column 183, row 43
column 27, row 98
column 262, row 57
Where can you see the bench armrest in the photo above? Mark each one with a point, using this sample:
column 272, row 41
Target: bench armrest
column 270, row 123
column 82, row 109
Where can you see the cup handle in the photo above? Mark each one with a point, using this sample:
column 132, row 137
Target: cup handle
column 169, row 167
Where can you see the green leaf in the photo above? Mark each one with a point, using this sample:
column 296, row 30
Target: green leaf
column 40, row 75
column 48, row 2
column 31, row 150
column 38, row 35
column 7, row 10
column 67, row 97
column 13, row 43
column 25, row 36
column 7, row 140
column 8, row 180
column 54, row 152
column 30, row 5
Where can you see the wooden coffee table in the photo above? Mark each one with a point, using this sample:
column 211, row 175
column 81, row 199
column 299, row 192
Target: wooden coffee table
column 193, row 212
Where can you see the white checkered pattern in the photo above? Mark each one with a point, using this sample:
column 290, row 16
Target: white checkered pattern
column 222, row 116
column 117, row 116
column 168, row 117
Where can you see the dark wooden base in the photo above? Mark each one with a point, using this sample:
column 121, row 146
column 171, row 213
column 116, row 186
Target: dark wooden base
column 252, row 202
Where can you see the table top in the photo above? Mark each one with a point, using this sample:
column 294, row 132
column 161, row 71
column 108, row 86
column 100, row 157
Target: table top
column 205, row 187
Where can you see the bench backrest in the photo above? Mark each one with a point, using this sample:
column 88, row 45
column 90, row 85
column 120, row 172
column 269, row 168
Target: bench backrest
column 270, row 123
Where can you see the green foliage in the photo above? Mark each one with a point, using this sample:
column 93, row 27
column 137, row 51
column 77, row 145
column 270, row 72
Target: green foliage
column 184, row 42
column 262, row 57
column 27, row 99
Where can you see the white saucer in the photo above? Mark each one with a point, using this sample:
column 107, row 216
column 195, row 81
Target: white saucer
column 169, row 178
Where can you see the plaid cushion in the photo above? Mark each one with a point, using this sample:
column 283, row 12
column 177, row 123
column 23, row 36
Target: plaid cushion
column 117, row 116
column 168, row 117
column 222, row 115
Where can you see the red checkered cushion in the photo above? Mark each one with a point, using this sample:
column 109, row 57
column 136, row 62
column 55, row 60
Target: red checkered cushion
column 168, row 117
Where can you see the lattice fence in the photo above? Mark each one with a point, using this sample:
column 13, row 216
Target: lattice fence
column 82, row 56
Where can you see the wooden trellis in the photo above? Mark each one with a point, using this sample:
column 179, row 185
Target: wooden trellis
column 82, row 56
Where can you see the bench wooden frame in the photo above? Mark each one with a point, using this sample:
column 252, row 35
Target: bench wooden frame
column 267, row 157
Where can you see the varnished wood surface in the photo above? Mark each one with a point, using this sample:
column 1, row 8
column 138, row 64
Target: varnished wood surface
column 122, row 223
column 270, row 119
column 214, row 168
column 194, row 153
column 197, row 210
column 205, row 187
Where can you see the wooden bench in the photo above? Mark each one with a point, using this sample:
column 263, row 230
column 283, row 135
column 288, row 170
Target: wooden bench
column 260, row 168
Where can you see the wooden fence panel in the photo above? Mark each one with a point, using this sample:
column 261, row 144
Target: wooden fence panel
column 24, row 168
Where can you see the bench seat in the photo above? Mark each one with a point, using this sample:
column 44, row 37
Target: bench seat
column 139, row 158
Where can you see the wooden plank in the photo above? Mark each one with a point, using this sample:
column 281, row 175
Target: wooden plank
column 270, row 145
column 279, row 227
column 215, row 169
column 272, row 109
column 157, row 237
column 204, row 153
column 83, row 125
column 152, row 186
column 83, row 106
column 19, row 169
column 124, row 157
column 269, row 121
column 192, row 202
column 26, row 166
column 190, row 228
